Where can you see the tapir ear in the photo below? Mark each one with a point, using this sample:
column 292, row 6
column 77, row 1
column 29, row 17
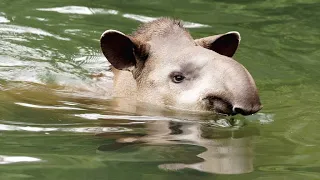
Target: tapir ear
column 224, row 44
column 122, row 51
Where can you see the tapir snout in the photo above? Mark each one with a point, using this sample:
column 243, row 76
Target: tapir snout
column 237, row 95
column 222, row 106
column 248, row 104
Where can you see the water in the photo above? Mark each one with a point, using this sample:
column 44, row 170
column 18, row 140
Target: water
column 58, row 121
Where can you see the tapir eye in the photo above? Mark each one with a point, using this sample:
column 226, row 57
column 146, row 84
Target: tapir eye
column 177, row 77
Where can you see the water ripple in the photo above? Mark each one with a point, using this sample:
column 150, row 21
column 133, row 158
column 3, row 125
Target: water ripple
column 145, row 19
column 13, row 29
column 78, row 10
column 263, row 118
column 48, row 107
column 93, row 116
column 221, row 122
column 17, row 159
column 3, row 20
column 13, row 50
column 95, row 130
column 37, row 18
column 90, row 11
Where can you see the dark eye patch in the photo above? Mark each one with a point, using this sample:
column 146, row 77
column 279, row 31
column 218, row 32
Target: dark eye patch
column 190, row 69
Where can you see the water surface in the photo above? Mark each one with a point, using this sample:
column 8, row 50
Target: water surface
column 58, row 121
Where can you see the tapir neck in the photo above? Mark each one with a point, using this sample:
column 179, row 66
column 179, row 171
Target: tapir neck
column 124, row 84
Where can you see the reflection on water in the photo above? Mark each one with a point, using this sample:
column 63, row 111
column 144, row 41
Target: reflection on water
column 222, row 156
column 227, row 151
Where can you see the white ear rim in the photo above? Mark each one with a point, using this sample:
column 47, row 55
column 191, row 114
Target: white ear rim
column 235, row 33
column 111, row 31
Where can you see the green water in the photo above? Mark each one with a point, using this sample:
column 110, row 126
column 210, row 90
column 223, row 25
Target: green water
column 57, row 121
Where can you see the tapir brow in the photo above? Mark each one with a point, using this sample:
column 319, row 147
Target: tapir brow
column 162, row 64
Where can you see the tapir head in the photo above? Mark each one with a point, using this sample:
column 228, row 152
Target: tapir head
column 170, row 68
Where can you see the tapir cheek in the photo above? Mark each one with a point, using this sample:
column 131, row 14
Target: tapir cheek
column 190, row 99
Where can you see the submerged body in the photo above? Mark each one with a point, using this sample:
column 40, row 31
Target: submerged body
column 162, row 64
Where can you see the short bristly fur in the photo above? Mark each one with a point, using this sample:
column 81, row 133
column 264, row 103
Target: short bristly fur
column 159, row 28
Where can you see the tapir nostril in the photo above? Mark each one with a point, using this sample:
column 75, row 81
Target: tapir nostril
column 243, row 111
column 237, row 110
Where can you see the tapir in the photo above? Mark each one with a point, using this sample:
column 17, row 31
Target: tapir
column 160, row 63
